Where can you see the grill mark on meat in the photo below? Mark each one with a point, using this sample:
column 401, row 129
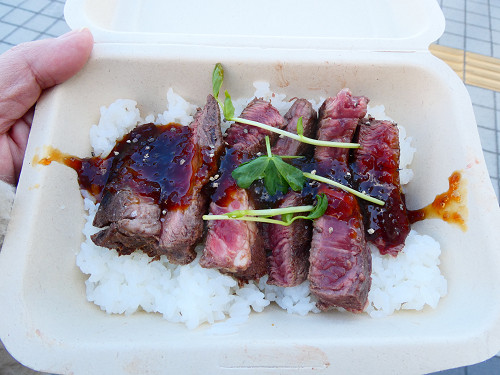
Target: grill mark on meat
column 289, row 245
column 376, row 168
column 233, row 246
column 340, row 261
column 151, row 200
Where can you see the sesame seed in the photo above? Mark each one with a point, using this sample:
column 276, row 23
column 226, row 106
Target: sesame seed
column 371, row 231
column 182, row 161
column 330, row 230
column 313, row 171
column 116, row 152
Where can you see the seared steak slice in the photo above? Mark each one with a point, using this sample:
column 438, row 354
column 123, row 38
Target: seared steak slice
column 288, row 146
column 340, row 261
column 376, row 169
column 289, row 246
column 182, row 227
column 235, row 247
column 337, row 121
column 134, row 222
column 249, row 139
column 152, row 199
column 289, row 260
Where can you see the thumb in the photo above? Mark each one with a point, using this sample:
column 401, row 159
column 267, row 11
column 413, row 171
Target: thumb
column 29, row 68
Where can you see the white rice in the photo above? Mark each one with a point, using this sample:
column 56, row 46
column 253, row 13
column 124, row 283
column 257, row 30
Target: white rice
column 194, row 295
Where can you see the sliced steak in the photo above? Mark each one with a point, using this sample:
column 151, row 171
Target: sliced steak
column 151, row 200
column 133, row 220
column 289, row 260
column 337, row 121
column 289, row 246
column 340, row 261
column 376, row 169
column 235, row 247
column 288, row 146
column 249, row 139
column 182, row 227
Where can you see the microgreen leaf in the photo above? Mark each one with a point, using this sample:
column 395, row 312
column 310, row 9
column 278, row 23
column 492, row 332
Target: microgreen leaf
column 228, row 107
column 300, row 127
column 319, row 208
column 217, row 78
column 250, row 171
column 277, row 174
column 274, row 181
column 293, row 176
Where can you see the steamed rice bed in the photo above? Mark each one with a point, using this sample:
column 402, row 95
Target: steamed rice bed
column 194, row 295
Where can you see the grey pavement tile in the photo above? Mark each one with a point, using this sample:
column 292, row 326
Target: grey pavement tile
column 490, row 367
column 495, row 36
column 452, row 40
column 482, row 97
column 453, row 14
column 11, row 2
column 496, row 51
column 491, row 160
column 456, row 4
column 478, row 32
column 59, row 28
column 479, row 8
column 34, row 5
column 476, row 19
column 495, row 11
column 17, row 16
column 6, row 29
column 40, row 23
column 4, row 9
column 495, row 24
column 455, row 27
column 488, row 142
column 55, row 9
column 454, row 371
column 4, row 47
column 21, row 36
column 485, row 117
column 478, row 46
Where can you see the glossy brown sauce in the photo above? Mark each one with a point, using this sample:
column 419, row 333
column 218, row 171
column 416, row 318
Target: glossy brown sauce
column 155, row 161
column 449, row 206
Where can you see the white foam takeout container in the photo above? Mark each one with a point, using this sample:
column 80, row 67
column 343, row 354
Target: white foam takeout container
column 376, row 48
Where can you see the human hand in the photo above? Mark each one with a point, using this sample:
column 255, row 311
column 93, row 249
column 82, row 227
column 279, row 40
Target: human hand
column 25, row 71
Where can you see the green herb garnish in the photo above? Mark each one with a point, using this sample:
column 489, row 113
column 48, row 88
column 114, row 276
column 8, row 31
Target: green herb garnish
column 228, row 111
column 276, row 173
column 287, row 213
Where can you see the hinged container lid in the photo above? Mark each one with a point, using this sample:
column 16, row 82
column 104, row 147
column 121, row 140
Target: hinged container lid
column 378, row 25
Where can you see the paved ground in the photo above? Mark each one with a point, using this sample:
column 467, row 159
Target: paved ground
column 472, row 26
